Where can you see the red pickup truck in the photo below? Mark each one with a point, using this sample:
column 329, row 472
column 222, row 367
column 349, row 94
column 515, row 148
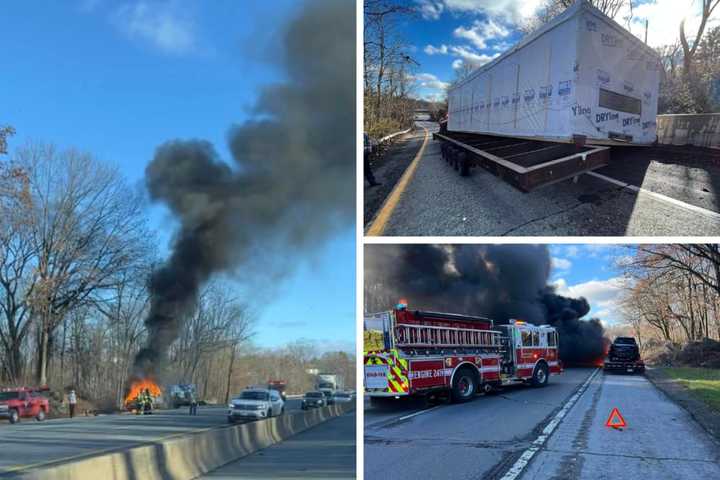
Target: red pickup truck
column 23, row 402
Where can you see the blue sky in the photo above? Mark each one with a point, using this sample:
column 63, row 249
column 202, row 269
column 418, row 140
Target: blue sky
column 446, row 33
column 593, row 271
column 118, row 78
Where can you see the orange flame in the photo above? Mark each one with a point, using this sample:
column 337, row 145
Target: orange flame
column 139, row 386
column 599, row 362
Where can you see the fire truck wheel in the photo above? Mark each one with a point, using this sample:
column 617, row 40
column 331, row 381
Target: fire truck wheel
column 464, row 385
column 14, row 416
column 40, row 416
column 540, row 376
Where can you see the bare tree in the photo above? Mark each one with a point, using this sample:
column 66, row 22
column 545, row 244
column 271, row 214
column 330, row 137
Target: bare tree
column 5, row 132
column 552, row 8
column 689, row 50
column 388, row 66
column 85, row 228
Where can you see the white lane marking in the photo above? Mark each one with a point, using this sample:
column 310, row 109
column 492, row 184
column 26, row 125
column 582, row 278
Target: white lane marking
column 419, row 413
column 658, row 196
column 527, row 455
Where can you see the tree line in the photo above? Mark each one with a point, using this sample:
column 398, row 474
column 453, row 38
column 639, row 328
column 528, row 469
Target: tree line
column 673, row 293
column 76, row 253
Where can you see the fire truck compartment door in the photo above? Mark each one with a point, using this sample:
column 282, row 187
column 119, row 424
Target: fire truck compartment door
column 376, row 376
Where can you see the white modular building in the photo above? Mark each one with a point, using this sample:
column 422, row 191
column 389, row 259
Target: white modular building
column 580, row 74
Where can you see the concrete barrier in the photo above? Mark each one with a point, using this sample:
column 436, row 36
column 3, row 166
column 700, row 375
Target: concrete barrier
column 701, row 130
column 186, row 456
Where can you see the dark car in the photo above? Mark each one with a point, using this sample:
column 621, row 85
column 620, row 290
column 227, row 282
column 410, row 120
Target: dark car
column 624, row 356
column 313, row 400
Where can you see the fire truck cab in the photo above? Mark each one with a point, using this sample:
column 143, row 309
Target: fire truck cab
column 420, row 353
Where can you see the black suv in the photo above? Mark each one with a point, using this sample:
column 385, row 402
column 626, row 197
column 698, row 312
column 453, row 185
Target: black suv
column 624, row 356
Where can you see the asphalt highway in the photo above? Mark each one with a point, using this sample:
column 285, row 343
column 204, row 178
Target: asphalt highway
column 31, row 444
column 641, row 193
column 660, row 440
column 554, row 432
column 324, row 451
column 471, row 440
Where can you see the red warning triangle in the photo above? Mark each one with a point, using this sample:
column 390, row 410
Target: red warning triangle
column 615, row 420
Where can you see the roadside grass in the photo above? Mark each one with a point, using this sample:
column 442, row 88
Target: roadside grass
column 704, row 383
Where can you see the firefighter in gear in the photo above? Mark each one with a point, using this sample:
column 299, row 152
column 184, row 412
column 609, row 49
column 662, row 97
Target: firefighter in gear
column 144, row 402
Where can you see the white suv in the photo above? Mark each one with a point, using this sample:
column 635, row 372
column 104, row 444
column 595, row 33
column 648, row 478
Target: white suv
column 255, row 403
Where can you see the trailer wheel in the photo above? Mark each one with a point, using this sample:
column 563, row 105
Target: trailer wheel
column 464, row 385
column 464, row 165
column 540, row 376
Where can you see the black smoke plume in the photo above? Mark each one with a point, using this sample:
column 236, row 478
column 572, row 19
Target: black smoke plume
column 498, row 281
column 291, row 181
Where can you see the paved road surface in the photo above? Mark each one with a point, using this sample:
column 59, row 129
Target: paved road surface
column 325, row 451
column 485, row 438
column 31, row 443
column 660, row 441
column 437, row 201
column 469, row 440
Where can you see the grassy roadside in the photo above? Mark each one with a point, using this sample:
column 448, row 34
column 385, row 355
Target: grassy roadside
column 697, row 390
column 703, row 383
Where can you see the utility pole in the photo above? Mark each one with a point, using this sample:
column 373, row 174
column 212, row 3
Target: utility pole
column 646, row 29
column 233, row 346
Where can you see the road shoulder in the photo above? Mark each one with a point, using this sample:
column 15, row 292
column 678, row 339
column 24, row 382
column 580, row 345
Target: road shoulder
column 675, row 391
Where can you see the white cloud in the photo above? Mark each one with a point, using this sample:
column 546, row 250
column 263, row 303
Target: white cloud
column 460, row 51
column 603, row 296
column 513, row 11
column 572, row 251
column 165, row 26
column 430, row 9
column 664, row 18
column 441, row 50
column 428, row 80
column 482, row 31
column 561, row 263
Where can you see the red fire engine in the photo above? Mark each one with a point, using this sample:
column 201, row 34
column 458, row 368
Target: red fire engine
column 416, row 352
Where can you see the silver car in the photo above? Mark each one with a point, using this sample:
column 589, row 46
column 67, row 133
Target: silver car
column 342, row 397
column 255, row 404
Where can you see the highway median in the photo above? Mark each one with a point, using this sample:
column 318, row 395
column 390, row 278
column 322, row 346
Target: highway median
column 183, row 456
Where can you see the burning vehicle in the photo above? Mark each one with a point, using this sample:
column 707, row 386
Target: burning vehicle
column 22, row 402
column 142, row 395
column 624, row 356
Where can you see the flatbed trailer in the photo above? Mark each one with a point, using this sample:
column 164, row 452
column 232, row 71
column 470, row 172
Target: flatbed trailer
column 525, row 163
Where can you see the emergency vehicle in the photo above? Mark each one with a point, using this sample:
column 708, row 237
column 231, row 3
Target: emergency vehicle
column 419, row 353
column 23, row 402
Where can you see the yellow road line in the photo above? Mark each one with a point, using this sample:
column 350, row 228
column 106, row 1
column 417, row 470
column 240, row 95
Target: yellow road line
column 378, row 226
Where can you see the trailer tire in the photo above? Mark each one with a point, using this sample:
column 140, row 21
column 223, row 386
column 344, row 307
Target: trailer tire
column 540, row 375
column 465, row 385
column 464, row 165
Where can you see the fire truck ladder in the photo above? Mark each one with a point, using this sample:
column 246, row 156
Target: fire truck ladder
column 433, row 337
